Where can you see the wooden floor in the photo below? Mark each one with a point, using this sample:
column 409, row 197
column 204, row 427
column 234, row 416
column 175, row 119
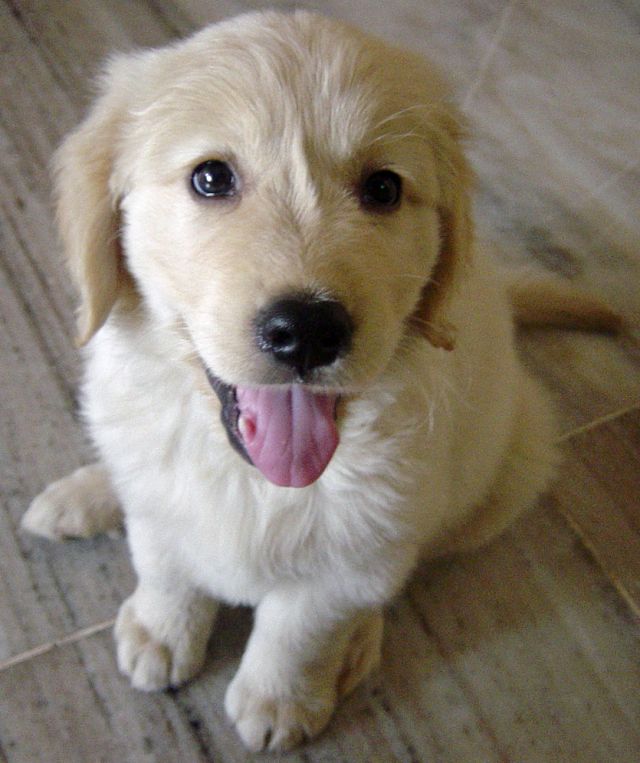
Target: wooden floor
column 527, row 651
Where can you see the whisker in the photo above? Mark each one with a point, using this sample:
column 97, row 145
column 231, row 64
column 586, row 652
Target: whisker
column 394, row 137
column 401, row 112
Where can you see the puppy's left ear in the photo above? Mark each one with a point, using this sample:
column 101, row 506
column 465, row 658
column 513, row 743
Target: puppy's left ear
column 88, row 194
column 455, row 229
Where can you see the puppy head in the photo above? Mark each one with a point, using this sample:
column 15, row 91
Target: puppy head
column 272, row 165
column 304, row 112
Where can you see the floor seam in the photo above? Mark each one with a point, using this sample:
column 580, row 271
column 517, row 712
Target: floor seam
column 71, row 638
column 598, row 422
column 490, row 52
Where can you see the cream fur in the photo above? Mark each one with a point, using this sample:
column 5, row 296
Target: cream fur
column 439, row 450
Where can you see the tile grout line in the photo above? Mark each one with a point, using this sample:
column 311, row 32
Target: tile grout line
column 613, row 578
column 93, row 630
column 596, row 193
column 72, row 638
column 584, row 537
column 500, row 32
column 601, row 420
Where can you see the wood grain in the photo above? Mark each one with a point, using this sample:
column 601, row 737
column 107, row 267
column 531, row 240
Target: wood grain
column 607, row 520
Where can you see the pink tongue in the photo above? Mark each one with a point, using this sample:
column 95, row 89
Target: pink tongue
column 289, row 433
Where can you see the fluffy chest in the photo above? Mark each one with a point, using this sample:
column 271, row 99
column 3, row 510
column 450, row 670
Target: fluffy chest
column 193, row 503
column 237, row 537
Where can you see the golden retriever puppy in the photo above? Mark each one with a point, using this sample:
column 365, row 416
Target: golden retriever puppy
column 300, row 371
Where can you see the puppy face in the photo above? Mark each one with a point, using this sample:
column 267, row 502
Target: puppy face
column 271, row 169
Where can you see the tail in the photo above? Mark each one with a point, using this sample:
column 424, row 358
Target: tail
column 548, row 301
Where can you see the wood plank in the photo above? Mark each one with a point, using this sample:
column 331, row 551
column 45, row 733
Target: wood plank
column 39, row 722
column 48, row 589
column 46, row 63
column 588, row 376
column 600, row 495
column 545, row 657
column 520, row 652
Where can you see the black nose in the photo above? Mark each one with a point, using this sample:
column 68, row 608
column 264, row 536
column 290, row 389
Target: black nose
column 304, row 332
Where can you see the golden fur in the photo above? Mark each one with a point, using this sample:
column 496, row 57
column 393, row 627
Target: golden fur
column 444, row 437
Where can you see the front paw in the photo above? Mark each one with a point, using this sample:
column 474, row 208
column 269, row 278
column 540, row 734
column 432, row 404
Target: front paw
column 155, row 660
column 279, row 719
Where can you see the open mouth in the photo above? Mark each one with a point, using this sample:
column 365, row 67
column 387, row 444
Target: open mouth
column 287, row 432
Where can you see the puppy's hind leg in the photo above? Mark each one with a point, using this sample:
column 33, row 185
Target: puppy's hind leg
column 362, row 654
column 525, row 473
column 79, row 505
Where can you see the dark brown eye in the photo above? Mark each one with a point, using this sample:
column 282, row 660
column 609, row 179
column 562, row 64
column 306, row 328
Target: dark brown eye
column 382, row 189
column 214, row 178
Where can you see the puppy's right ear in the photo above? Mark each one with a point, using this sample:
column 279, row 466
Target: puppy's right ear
column 456, row 229
column 87, row 203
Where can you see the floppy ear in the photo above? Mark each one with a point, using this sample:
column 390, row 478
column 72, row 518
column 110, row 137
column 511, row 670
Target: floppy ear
column 456, row 234
column 87, row 207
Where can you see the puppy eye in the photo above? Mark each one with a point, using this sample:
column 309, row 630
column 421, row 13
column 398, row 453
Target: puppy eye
column 213, row 178
column 382, row 189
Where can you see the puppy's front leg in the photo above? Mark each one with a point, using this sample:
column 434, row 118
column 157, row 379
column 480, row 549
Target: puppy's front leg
column 162, row 632
column 301, row 657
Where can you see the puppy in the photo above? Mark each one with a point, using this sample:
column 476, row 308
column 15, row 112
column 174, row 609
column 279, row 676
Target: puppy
column 300, row 369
